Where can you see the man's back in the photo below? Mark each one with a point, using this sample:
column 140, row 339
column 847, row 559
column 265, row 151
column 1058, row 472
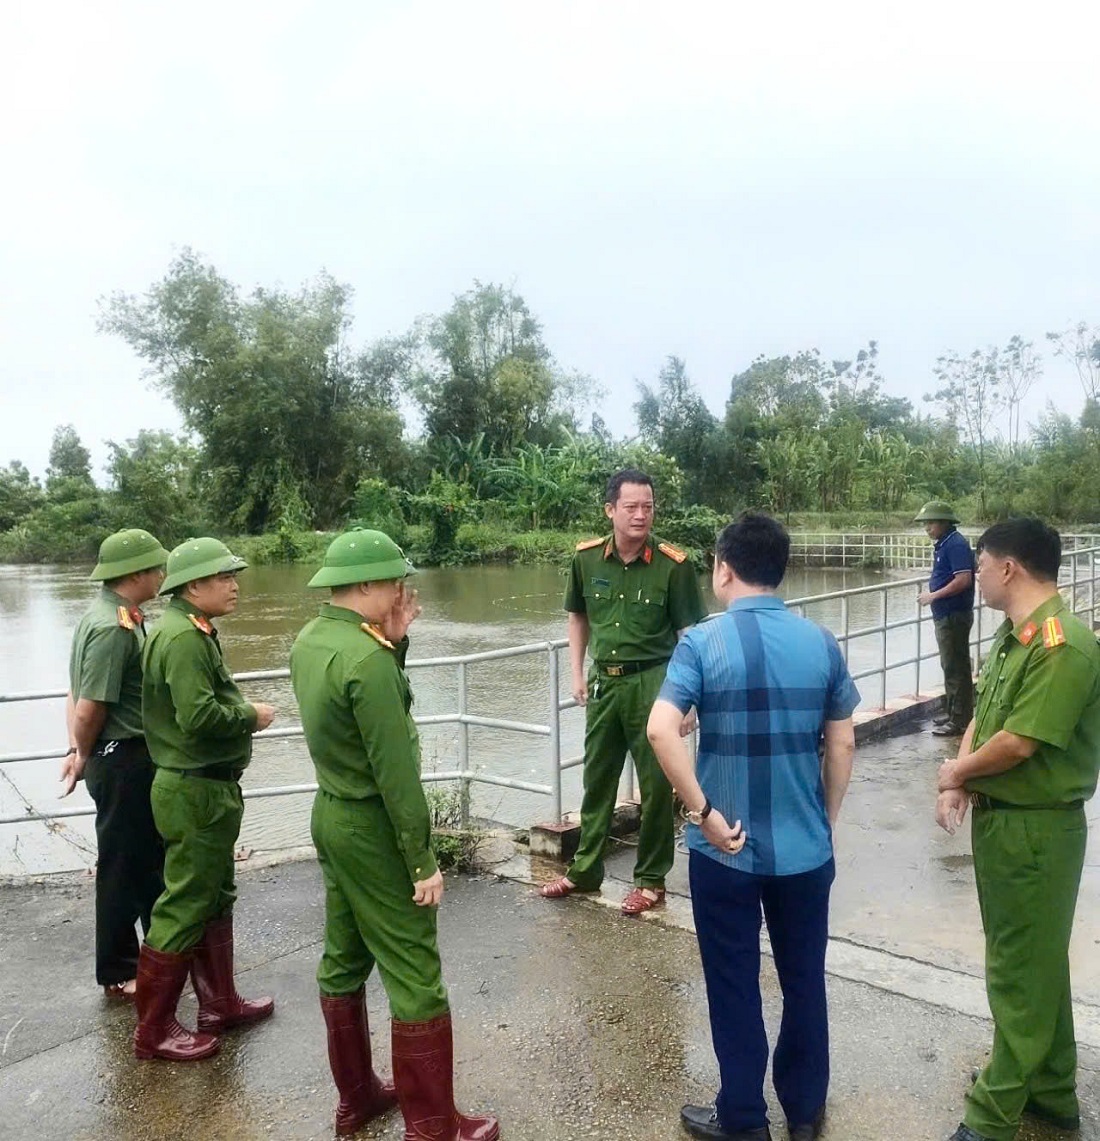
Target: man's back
column 767, row 681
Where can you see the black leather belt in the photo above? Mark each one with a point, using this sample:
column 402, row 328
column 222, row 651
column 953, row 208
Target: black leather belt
column 213, row 772
column 980, row 800
column 625, row 669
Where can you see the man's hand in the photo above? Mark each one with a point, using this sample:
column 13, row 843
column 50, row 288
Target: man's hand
column 951, row 809
column 580, row 691
column 428, row 893
column 721, row 835
column 924, row 598
column 265, row 714
column 689, row 723
column 949, row 777
column 72, row 770
column 406, row 610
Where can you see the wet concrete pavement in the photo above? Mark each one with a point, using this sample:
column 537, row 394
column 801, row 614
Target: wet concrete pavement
column 570, row 1021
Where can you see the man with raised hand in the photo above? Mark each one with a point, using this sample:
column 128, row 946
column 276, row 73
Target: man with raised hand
column 107, row 747
column 1027, row 763
column 372, row 830
column 629, row 597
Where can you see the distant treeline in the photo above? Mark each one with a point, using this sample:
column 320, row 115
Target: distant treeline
column 290, row 430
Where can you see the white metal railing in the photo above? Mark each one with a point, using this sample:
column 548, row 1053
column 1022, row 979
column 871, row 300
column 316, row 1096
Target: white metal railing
column 908, row 550
column 1078, row 581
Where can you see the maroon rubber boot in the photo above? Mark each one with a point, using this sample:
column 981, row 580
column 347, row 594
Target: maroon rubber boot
column 160, row 979
column 363, row 1094
column 220, row 1006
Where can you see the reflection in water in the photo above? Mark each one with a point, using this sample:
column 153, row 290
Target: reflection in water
column 466, row 610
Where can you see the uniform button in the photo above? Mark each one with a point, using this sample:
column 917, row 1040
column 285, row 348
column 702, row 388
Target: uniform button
column 647, row 600
column 621, row 596
column 616, row 623
column 614, row 651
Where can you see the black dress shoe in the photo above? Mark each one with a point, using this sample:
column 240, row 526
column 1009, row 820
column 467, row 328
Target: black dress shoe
column 810, row 1131
column 1066, row 1124
column 942, row 719
column 965, row 1133
column 702, row 1121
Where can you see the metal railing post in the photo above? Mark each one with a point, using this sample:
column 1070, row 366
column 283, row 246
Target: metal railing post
column 920, row 623
column 555, row 736
column 463, row 749
column 885, row 620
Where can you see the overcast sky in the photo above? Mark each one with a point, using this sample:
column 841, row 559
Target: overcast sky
column 713, row 180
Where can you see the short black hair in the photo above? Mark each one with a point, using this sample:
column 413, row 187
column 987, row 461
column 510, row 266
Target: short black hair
column 1035, row 545
column 756, row 547
column 626, row 475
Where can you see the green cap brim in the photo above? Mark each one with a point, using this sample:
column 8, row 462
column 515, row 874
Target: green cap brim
column 219, row 565
column 120, row 567
column 364, row 572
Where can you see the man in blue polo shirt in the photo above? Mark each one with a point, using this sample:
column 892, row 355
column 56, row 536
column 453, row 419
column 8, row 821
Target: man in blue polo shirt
column 950, row 594
column 769, row 687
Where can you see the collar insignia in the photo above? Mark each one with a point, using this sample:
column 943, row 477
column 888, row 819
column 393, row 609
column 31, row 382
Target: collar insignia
column 1027, row 633
column 126, row 618
column 201, row 623
column 376, row 634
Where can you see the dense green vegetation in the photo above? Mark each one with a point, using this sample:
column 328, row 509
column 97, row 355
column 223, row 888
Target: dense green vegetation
column 292, row 432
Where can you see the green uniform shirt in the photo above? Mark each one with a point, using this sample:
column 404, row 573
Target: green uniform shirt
column 194, row 713
column 635, row 609
column 355, row 704
column 105, row 663
column 1050, row 694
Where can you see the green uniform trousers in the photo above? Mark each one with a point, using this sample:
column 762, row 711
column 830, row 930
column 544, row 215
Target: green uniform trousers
column 1027, row 863
column 370, row 917
column 953, row 640
column 199, row 820
column 615, row 720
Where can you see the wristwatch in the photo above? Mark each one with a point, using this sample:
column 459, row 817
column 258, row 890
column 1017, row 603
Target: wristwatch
column 699, row 815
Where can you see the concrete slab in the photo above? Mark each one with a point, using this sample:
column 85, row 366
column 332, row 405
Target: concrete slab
column 571, row 1023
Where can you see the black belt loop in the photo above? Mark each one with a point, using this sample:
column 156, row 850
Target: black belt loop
column 213, row 772
column 980, row 800
column 625, row 669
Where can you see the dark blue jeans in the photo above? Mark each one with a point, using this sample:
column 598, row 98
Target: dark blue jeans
column 728, row 906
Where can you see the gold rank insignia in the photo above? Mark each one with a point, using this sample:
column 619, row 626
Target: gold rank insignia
column 587, row 544
column 124, row 619
column 673, row 553
column 201, row 623
column 1053, row 635
column 1027, row 633
column 376, row 634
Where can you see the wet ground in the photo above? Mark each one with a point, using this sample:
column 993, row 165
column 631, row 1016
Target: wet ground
column 570, row 1021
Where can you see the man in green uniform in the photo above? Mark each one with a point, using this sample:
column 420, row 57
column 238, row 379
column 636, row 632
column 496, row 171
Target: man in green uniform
column 372, row 831
column 629, row 598
column 199, row 730
column 107, row 746
column 1028, row 762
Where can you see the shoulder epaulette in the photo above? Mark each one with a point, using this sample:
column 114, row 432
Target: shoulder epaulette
column 124, row 618
column 674, row 553
column 1053, row 634
column 376, row 634
column 201, row 623
column 588, row 544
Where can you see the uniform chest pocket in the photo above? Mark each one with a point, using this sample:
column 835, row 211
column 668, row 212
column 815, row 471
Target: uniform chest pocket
column 648, row 610
column 598, row 597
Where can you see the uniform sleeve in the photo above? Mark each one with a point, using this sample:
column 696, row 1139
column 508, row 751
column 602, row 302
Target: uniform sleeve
column 574, row 588
column 843, row 697
column 1057, row 686
column 685, row 599
column 378, row 694
column 103, row 663
column 683, row 684
column 192, row 669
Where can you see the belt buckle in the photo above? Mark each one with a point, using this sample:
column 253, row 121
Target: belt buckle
column 613, row 671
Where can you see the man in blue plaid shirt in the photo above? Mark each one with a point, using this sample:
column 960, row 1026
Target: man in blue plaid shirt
column 769, row 688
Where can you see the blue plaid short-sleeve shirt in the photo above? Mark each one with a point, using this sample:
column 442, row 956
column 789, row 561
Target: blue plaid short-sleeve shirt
column 764, row 682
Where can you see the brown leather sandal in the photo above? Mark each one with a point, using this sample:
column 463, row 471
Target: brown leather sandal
column 559, row 888
column 636, row 901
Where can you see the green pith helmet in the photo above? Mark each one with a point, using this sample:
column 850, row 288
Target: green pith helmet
column 362, row 556
column 127, row 552
column 936, row 511
column 199, row 558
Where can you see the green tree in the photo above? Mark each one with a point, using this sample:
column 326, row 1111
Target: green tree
column 20, row 494
column 289, row 418
column 69, row 474
column 153, row 477
column 1080, row 345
